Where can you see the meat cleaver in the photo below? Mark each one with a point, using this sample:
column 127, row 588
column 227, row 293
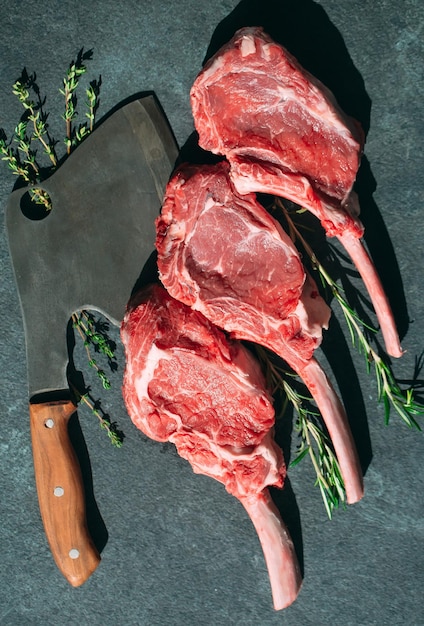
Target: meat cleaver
column 86, row 253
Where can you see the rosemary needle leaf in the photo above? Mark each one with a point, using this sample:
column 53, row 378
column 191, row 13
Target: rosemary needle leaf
column 299, row 457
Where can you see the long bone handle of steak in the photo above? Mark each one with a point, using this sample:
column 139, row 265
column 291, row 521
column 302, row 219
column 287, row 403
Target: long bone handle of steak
column 333, row 414
column 337, row 424
column 354, row 246
column 347, row 230
column 357, row 252
column 280, row 557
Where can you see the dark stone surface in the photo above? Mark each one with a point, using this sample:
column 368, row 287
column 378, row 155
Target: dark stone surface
column 176, row 548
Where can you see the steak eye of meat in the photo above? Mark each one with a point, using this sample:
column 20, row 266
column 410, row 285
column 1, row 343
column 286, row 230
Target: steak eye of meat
column 287, row 133
column 206, row 390
column 238, row 266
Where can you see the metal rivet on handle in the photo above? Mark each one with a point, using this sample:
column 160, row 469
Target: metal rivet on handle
column 74, row 553
column 58, row 491
column 49, row 423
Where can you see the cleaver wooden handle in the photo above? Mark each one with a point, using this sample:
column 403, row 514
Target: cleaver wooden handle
column 61, row 491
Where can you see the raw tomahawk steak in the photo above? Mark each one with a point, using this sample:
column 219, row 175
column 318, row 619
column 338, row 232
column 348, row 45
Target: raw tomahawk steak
column 222, row 254
column 284, row 134
column 185, row 382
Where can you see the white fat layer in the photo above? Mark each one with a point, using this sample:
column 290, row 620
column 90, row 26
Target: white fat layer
column 247, row 46
column 214, row 67
column 314, row 314
column 153, row 357
column 266, row 51
column 308, row 326
column 266, row 449
column 176, row 231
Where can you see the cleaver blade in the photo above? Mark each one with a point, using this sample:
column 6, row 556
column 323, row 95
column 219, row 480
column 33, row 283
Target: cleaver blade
column 86, row 253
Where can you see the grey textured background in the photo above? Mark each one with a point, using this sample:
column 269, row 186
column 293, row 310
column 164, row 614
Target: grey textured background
column 179, row 549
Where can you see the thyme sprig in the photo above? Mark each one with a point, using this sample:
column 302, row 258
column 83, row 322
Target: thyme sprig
column 14, row 162
column 95, row 336
column 31, row 128
column 389, row 392
column 92, row 102
column 314, row 442
column 70, row 84
column 35, row 114
column 74, row 135
column 115, row 435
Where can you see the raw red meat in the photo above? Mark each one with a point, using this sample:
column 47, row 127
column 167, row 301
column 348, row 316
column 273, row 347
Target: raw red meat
column 284, row 134
column 222, row 254
column 185, row 382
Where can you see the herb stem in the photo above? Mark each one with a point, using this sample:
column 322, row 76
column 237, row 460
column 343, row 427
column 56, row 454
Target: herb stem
column 115, row 436
column 389, row 391
column 314, row 442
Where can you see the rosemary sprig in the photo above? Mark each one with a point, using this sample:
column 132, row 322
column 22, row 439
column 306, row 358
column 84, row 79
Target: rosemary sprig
column 324, row 460
column 389, row 392
column 314, row 442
